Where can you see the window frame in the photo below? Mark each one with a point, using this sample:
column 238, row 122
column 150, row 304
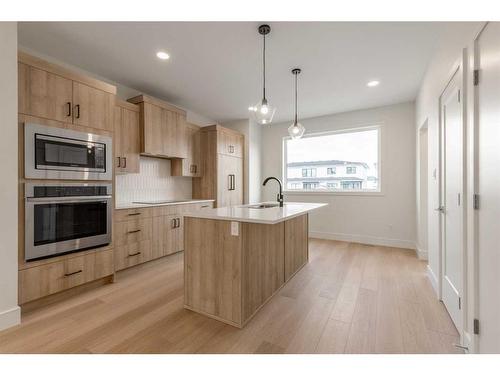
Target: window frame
column 378, row 191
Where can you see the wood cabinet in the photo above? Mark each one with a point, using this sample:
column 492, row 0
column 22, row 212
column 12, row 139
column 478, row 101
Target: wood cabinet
column 222, row 177
column 50, row 278
column 296, row 244
column 52, row 92
column 127, row 143
column 190, row 166
column 229, row 142
column 150, row 233
column 163, row 128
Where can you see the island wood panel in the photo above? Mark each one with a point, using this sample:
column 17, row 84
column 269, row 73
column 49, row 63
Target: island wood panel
column 296, row 244
column 262, row 264
column 212, row 269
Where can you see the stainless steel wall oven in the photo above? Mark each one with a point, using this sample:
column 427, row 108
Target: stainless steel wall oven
column 63, row 218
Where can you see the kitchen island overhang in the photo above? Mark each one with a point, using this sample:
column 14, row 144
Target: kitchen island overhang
column 237, row 258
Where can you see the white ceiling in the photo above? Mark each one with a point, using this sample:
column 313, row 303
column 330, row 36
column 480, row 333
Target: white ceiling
column 215, row 67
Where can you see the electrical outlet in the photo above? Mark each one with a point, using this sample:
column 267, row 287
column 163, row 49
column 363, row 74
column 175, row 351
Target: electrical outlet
column 235, row 228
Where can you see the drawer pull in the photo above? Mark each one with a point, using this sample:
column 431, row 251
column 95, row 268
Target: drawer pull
column 72, row 273
column 134, row 254
column 133, row 231
column 134, row 214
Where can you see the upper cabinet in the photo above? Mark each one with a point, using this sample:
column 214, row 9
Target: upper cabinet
column 229, row 142
column 190, row 166
column 127, row 137
column 51, row 92
column 163, row 128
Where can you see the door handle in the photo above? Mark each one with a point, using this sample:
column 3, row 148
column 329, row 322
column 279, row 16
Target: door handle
column 69, row 109
column 440, row 209
column 124, row 162
column 178, row 220
column 234, row 182
column 174, row 223
column 72, row 273
column 230, row 182
column 119, row 161
column 77, row 107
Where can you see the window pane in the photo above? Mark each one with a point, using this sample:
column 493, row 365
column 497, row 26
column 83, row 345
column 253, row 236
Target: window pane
column 346, row 161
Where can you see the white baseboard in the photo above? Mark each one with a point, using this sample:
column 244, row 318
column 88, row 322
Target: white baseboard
column 433, row 279
column 9, row 318
column 421, row 253
column 368, row 240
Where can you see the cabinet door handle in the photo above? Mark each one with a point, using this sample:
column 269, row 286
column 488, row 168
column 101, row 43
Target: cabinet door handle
column 119, row 161
column 205, row 206
column 69, row 109
column 178, row 222
column 72, row 273
column 230, row 182
column 134, row 254
column 174, row 223
column 77, row 111
column 125, row 162
column 133, row 231
column 134, row 214
column 195, row 168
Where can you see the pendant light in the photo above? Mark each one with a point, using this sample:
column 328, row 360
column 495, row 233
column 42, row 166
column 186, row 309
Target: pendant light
column 296, row 130
column 262, row 112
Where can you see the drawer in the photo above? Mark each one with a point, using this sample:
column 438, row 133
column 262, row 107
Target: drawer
column 129, row 255
column 197, row 206
column 132, row 231
column 133, row 213
column 37, row 282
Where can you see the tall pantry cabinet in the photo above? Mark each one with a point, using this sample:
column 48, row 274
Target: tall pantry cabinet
column 222, row 163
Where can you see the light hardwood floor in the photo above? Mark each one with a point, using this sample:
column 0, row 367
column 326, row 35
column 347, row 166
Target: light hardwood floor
column 349, row 298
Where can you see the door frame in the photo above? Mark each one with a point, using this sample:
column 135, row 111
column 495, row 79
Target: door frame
column 460, row 68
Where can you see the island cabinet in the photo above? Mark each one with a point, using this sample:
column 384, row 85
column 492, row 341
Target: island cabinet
column 163, row 128
column 222, row 163
column 127, row 140
column 232, row 268
column 51, row 92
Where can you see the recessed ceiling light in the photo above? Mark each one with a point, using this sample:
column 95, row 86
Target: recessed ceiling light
column 162, row 55
column 373, row 83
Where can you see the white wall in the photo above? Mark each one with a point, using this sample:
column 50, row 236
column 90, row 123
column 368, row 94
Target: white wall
column 252, row 176
column 456, row 47
column 386, row 219
column 422, row 187
column 9, row 310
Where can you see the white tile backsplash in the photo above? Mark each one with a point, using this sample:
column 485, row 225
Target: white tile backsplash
column 154, row 182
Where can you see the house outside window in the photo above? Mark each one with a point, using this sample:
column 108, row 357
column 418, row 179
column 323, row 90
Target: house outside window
column 332, row 162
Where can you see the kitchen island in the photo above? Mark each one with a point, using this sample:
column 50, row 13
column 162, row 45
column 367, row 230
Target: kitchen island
column 236, row 258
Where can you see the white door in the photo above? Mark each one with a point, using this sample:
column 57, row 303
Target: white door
column 452, row 198
column 488, row 187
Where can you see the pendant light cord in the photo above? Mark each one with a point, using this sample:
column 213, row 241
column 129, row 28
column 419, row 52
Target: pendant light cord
column 264, row 70
column 295, row 123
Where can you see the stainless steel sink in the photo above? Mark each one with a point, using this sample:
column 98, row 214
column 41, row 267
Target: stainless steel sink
column 264, row 205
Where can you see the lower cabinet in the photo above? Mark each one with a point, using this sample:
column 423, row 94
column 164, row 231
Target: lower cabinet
column 150, row 233
column 46, row 279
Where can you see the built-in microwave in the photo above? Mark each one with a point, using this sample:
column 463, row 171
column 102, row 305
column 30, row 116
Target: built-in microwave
column 64, row 218
column 57, row 153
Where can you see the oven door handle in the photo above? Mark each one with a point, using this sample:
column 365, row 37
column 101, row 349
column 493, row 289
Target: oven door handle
column 69, row 199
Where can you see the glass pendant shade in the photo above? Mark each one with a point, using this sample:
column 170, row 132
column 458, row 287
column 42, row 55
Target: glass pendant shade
column 263, row 113
column 296, row 130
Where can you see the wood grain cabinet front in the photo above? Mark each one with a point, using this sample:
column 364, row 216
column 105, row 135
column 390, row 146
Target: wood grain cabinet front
column 40, row 281
column 127, row 145
column 191, row 165
column 51, row 92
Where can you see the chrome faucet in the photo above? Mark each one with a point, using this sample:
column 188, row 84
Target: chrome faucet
column 280, row 194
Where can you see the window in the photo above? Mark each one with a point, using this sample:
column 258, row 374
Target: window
column 338, row 161
column 309, row 185
column 308, row 172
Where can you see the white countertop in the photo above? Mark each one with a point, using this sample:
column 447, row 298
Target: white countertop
column 125, row 206
column 245, row 213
